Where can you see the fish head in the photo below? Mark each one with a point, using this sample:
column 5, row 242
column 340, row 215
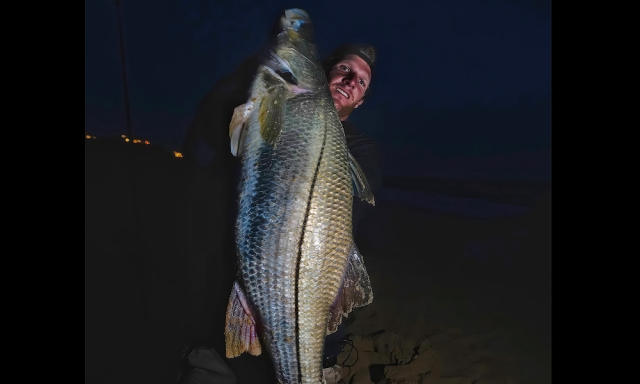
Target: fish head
column 294, row 56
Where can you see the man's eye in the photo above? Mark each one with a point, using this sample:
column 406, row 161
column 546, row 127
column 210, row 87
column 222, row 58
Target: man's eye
column 344, row 68
column 362, row 82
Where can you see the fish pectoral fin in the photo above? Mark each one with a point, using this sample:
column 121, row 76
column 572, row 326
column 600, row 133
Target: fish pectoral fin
column 271, row 113
column 361, row 186
column 355, row 290
column 237, row 124
column 240, row 326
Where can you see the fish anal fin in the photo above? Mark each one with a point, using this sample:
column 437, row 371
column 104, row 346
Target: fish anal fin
column 355, row 291
column 361, row 186
column 236, row 126
column 240, row 326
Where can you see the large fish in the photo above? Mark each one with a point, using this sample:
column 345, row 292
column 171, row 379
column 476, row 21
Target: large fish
column 299, row 271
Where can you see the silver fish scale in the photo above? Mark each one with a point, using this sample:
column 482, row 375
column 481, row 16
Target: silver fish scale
column 325, row 248
column 275, row 192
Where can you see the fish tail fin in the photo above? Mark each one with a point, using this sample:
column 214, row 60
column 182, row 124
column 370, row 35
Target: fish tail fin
column 240, row 326
column 355, row 290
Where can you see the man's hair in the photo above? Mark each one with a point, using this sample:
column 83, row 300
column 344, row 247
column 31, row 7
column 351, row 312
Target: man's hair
column 366, row 52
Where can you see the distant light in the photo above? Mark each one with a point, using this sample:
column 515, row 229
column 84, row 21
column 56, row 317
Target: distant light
column 126, row 139
column 123, row 136
column 177, row 154
column 88, row 136
column 147, row 142
column 136, row 141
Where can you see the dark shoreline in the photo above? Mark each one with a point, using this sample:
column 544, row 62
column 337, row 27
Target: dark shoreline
column 158, row 272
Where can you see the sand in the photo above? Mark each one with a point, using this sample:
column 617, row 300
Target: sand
column 457, row 300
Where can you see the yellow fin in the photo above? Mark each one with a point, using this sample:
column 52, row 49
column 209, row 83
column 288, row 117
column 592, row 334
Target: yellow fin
column 240, row 327
column 270, row 114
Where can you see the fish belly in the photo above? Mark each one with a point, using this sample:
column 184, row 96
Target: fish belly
column 294, row 232
column 324, row 251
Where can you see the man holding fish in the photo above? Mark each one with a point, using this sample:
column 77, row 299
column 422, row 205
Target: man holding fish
column 293, row 157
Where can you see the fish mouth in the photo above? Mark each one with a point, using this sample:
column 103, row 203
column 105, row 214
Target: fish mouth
column 298, row 21
column 297, row 14
column 295, row 19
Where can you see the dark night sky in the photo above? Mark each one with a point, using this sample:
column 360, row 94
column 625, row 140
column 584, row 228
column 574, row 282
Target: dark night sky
column 462, row 87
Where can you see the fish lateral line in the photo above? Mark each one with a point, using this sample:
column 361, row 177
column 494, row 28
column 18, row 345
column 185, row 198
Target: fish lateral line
column 299, row 258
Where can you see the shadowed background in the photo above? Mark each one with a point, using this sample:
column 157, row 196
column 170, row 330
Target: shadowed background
column 462, row 88
column 461, row 111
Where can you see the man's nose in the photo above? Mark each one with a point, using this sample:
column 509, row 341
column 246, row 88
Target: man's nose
column 349, row 79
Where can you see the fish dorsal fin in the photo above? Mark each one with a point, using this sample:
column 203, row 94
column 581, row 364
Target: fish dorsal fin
column 355, row 290
column 237, row 125
column 240, row 326
column 361, row 186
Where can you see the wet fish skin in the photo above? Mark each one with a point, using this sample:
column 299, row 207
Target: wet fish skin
column 294, row 230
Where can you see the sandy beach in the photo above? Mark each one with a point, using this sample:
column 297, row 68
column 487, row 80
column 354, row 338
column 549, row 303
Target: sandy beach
column 457, row 298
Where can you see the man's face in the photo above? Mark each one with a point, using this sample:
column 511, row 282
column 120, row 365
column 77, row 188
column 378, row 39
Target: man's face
column 348, row 81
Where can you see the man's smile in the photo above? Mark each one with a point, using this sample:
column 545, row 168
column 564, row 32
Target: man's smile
column 343, row 92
